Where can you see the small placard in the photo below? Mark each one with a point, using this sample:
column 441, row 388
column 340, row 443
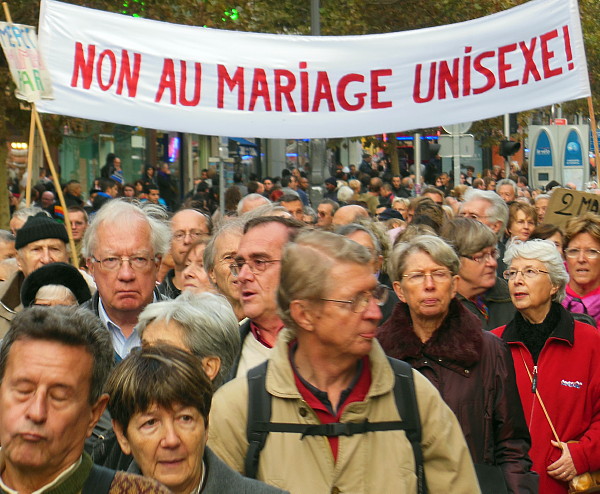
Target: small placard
column 566, row 203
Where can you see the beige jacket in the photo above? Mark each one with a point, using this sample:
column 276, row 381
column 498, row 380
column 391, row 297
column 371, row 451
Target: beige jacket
column 376, row 462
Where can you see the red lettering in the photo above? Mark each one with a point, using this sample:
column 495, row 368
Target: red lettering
column 197, row 84
column 504, row 67
column 303, row 87
column 417, row 98
column 448, row 78
column 484, row 71
column 376, row 88
column 83, row 66
column 260, row 88
column 568, row 51
column 167, row 81
column 113, row 69
column 129, row 76
column 467, row 72
column 341, row 92
column 530, row 67
column 323, row 92
column 232, row 82
column 548, row 54
column 284, row 90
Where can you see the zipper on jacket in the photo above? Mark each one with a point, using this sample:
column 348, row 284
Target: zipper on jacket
column 534, row 379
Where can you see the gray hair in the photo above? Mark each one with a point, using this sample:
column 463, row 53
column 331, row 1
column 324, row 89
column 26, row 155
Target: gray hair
column 56, row 292
column 254, row 197
column 6, row 236
column 498, row 210
column 25, row 213
column 71, row 326
column 345, row 193
column 546, row 252
column 542, row 196
column 507, row 181
column 306, row 264
column 439, row 251
column 119, row 211
column 208, row 323
column 235, row 226
column 350, row 228
column 468, row 236
column 267, row 210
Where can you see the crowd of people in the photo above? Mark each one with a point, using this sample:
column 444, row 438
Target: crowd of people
column 367, row 334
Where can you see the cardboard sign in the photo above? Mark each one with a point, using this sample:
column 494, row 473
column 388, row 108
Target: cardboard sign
column 154, row 74
column 565, row 204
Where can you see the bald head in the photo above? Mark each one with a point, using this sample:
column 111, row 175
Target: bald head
column 348, row 214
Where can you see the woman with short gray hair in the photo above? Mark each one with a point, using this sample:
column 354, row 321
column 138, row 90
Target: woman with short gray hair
column 555, row 359
column 471, row 368
column 203, row 324
column 479, row 288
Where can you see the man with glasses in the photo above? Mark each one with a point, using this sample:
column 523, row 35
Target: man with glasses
column 256, row 268
column 123, row 247
column 325, row 210
column 488, row 208
column 330, row 381
column 478, row 287
column 187, row 226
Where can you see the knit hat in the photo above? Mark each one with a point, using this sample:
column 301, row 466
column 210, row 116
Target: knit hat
column 57, row 273
column 39, row 227
column 331, row 181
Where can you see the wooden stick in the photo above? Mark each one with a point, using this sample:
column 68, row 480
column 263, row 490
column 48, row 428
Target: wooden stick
column 30, row 160
column 61, row 198
column 7, row 13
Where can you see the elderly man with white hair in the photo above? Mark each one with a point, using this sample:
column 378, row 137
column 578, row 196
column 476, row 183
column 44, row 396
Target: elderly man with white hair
column 123, row 247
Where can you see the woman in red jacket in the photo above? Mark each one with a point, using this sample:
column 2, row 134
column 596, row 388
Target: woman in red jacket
column 556, row 361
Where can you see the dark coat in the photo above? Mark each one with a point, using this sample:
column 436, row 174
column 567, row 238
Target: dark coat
column 167, row 288
column 473, row 371
column 500, row 306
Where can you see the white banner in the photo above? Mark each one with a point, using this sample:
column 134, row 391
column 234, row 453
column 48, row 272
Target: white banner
column 27, row 69
column 138, row 72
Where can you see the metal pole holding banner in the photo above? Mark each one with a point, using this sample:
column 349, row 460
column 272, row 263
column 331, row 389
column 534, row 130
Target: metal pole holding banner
column 507, row 137
column 594, row 133
column 417, row 160
column 223, row 155
column 36, row 122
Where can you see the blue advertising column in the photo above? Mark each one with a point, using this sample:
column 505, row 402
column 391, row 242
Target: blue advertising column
column 575, row 158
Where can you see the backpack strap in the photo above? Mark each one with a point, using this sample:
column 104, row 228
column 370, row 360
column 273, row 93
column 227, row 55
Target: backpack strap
column 259, row 412
column 99, row 480
column 259, row 423
column 406, row 402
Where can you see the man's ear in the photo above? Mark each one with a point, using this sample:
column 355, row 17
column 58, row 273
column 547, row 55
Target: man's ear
column 96, row 413
column 121, row 438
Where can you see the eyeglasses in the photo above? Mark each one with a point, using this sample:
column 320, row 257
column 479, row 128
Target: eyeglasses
column 418, row 277
column 256, row 266
column 360, row 303
column 481, row 258
column 194, row 235
column 511, row 274
column 137, row 263
column 573, row 253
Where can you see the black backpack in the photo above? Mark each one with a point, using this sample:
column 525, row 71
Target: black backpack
column 260, row 425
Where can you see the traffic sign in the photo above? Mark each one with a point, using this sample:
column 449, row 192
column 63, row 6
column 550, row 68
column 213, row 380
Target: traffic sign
column 466, row 145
